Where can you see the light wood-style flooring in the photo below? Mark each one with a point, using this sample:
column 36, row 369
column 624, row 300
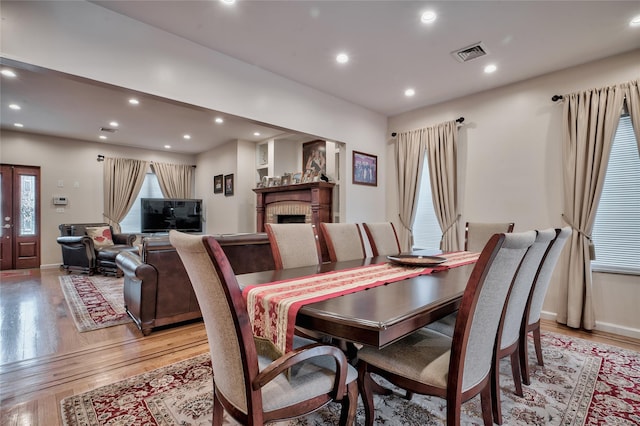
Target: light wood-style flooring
column 43, row 358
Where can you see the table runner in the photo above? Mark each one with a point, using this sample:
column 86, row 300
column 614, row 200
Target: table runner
column 273, row 307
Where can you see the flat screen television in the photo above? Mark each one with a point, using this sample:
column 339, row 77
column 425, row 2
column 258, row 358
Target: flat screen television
column 164, row 214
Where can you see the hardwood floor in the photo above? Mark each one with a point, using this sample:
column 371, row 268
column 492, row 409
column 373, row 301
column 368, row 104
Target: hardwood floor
column 44, row 359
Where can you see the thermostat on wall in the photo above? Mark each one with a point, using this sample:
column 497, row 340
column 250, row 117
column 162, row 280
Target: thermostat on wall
column 59, row 201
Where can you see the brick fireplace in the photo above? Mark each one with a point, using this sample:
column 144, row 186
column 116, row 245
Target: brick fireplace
column 304, row 202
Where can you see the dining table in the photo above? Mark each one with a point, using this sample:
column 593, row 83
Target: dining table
column 380, row 315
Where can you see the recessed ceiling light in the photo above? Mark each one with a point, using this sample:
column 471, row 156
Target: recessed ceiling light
column 8, row 73
column 228, row 1
column 490, row 68
column 15, row 106
column 113, row 124
column 635, row 22
column 134, row 101
column 102, row 137
column 428, row 17
column 186, row 136
column 342, row 58
column 256, row 133
column 219, row 120
column 18, row 124
column 409, row 92
column 167, row 147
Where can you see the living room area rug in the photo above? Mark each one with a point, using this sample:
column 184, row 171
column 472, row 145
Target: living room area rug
column 582, row 383
column 94, row 301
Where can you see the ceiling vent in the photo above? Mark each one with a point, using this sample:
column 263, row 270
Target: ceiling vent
column 108, row 130
column 469, row 53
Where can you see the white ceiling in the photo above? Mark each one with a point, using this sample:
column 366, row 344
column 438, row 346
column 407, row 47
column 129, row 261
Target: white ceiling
column 390, row 50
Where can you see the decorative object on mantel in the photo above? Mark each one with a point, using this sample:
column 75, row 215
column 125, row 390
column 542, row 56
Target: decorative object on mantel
column 314, row 157
column 228, row 185
column 581, row 383
column 217, row 184
column 94, row 301
column 365, row 169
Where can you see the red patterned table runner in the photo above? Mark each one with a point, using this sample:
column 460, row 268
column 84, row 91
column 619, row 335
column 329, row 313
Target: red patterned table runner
column 273, row 307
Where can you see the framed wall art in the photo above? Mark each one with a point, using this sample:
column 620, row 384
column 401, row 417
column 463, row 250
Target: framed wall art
column 217, row 184
column 365, row 169
column 314, row 157
column 228, row 184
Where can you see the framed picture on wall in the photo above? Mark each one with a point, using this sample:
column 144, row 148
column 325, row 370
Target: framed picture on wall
column 217, row 184
column 228, row 185
column 365, row 169
column 314, row 157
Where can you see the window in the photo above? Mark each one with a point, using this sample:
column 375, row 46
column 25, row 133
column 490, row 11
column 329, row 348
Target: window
column 426, row 230
column 616, row 232
column 150, row 189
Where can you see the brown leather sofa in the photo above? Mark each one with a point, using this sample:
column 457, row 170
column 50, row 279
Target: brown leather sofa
column 157, row 290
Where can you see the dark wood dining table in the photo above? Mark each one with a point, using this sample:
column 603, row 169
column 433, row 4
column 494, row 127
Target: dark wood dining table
column 377, row 316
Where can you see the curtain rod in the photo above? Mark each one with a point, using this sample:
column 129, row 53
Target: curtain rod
column 101, row 158
column 458, row 120
column 556, row 98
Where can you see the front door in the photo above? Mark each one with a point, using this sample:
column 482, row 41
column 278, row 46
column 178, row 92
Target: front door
column 20, row 221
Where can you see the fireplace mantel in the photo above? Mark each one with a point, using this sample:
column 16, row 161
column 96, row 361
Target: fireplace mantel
column 315, row 197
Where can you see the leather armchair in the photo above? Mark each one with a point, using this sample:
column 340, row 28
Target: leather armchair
column 81, row 255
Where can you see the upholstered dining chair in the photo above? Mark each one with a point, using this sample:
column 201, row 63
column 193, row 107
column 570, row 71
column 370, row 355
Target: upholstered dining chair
column 531, row 322
column 344, row 241
column 382, row 238
column 455, row 368
column 294, row 244
column 476, row 234
column 250, row 387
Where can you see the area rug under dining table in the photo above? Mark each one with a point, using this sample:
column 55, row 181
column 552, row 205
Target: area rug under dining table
column 582, row 383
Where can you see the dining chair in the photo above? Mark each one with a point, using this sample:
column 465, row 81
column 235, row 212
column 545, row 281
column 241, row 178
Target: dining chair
column 344, row 241
column 294, row 244
column 382, row 238
column 531, row 322
column 476, row 234
column 508, row 338
column 455, row 368
column 253, row 388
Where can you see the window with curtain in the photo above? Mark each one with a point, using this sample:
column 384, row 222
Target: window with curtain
column 426, row 230
column 150, row 189
column 616, row 232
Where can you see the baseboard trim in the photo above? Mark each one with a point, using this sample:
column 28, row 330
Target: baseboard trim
column 51, row 266
column 607, row 327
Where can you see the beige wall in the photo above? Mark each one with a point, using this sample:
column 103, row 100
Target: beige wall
column 510, row 165
column 74, row 164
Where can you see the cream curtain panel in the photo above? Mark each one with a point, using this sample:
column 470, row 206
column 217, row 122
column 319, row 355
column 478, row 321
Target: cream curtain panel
column 632, row 95
column 439, row 143
column 123, row 179
column 176, row 180
column 590, row 121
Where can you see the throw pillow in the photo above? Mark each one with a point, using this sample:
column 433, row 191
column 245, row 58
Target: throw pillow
column 101, row 236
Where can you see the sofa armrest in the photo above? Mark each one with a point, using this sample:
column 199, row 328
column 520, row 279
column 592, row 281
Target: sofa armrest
column 78, row 253
column 140, row 289
column 71, row 240
column 126, row 239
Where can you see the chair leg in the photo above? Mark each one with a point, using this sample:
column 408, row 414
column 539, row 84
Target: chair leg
column 349, row 405
column 366, row 393
column 495, row 408
column 485, row 402
column 524, row 359
column 538, row 344
column 515, row 371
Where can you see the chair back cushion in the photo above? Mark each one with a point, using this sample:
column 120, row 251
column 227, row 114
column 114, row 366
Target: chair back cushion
column 344, row 241
column 482, row 305
column 521, row 288
column 477, row 234
column 293, row 244
column 544, row 275
column 216, row 297
column 383, row 238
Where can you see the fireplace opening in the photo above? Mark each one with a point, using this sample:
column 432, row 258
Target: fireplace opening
column 291, row 218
